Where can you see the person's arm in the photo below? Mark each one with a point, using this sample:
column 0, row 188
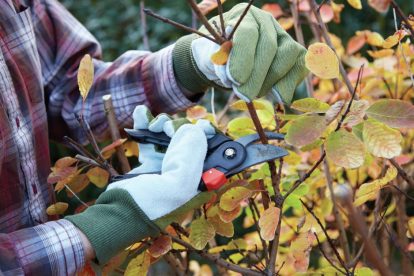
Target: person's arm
column 136, row 77
column 53, row 248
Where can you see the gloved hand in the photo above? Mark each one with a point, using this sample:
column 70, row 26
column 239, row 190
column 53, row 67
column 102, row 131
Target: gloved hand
column 134, row 208
column 263, row 58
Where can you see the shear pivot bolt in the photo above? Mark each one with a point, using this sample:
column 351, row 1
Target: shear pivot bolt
column 230, row 153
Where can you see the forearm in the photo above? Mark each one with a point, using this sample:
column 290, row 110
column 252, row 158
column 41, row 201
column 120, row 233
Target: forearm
column 53, row 248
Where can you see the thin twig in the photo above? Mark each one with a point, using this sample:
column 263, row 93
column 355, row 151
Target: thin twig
column 76, row 196
column 144, row 32
column 402, row 173
column 331, row 243
column 226, row 107
column 240, row 20
column 220, row 40
column 220, row 13
column 89, row 161
column 178, row 25
column 388, row 87
column 78, row 147
column 403, row 17
column 326, row 257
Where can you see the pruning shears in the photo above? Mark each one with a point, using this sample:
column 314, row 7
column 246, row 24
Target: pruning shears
column 225, row 156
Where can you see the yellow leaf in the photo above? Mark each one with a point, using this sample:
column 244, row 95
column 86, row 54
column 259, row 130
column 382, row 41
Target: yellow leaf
column 232, row 198
column 381, row 140
column 57, row 209
column 300, row 250
column 344, row 149
column 238, row 244
column 322, row 61
column 411, row 226
column 160, row 246
column 196, row 112
column 77, row 183
column 131, row 149
column 356, row 4
column 268, row 223
column 201, row 233
column 375, row 39
column 241, row 105
column 368, row 191
column 310, row 105
column 222, row 228
column 85, row 75
column 305, row 130
column 139, row 265
column 222, row 55
column 381, row 53
column 391, row 41
column 98, row 176
column 286, row 22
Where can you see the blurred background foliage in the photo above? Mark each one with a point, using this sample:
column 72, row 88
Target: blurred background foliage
column 116, row 23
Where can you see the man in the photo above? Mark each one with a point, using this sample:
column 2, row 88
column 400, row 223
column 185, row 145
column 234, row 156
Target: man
column 41, row 46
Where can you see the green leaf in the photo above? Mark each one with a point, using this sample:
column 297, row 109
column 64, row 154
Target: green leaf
column 394, row 113
column 231, row 199
column 315, row 144
column 201, row 233
column 368, row 191
column 310, row 105
column 305, row 130
column 357, row 130
column 344, row 149
column 293, row 201
column 364, row 271
column 381, row 140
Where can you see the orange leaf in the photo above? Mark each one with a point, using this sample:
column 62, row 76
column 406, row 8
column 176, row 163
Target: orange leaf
column 222, row 55
column 355, row 44
column 268, row 223
column 207, row 6
column 65, row 162
column 196, row 112
column 274, row 9
column 98, row 176
column 229, row 216
column 77, row 183
column 286, row 22
column 87, row 270
column 381, row 53
column 380, row 5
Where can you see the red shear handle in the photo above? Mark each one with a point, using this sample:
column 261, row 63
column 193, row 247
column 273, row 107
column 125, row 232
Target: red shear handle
column 213, row 179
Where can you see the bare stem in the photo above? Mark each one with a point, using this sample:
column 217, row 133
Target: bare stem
column 220, row 40
column 89, row 161
column 178, row 25
column 144, row 32
column 76, row 196
column 402, row 173
column 240, row 19
column 326, row 257
column 220, row 12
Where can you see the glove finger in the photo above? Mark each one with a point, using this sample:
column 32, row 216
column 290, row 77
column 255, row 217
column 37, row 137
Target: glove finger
column 286, row 86
column 242, row 56
column 157, row 125
column 170, row 127
column 150, row 159
column 288, row 52
column 207, row 127
column 142, row 116
column 265, row 51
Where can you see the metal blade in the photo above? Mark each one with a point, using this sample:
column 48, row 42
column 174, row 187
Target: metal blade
column 257, row 154
column 249, row 139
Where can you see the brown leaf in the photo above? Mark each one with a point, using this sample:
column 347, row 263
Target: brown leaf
column 160, row 246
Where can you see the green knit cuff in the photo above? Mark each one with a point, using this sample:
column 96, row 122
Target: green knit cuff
column 185, row 69
column 113, row 223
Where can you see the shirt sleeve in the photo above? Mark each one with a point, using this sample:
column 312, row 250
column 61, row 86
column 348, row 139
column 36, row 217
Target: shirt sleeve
column 136, row 77
column 53, row 248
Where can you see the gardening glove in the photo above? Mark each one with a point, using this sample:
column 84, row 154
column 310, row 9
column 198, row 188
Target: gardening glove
column 263, row 58
column 135, row 208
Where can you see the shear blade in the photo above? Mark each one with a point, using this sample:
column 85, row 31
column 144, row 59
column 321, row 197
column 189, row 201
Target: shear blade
column 249, row 139
column 257, row 154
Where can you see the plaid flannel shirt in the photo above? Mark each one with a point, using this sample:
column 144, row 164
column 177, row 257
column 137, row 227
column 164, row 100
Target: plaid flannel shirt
column 41, row 45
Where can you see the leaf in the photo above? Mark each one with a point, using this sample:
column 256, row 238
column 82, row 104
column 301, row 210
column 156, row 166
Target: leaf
column 368, row 191
column 131, row 149
column 207, row 6
column 240, row 126
column 268, row 222
column 201, row 233
column 57, row 209
column 139, row 265
column 318, row 52
column 310, row 105
column 196, row 112
column 344, row 149
column 355, row 43
column 110, row 149
column 381, row 140
column 229, row 216
column 65, row 162
column 273, row 8
column 238, row 244
column 222, row 55
column 375, row 39
column 77, row 183
column 222, row 228
column 394, row 113
column 160, row 246
column 393, row 40
column 85, row 75
column 364, row 271
column 114, row 263
column 98, row 176
column 356, row 113
column 381, row 53
column 300, row 250
column 305, row 130
column 356, row 4
column 241, row 105
column 334, row 111
column 60, row 174
column 286, row 22
column 232, row 198
column 380, row 5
